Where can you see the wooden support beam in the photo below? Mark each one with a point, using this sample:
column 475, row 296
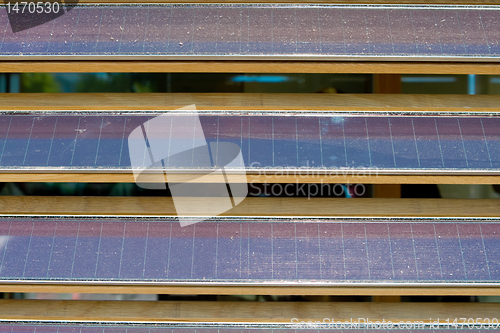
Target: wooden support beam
column 353, row 67
column 373, row 290
column 250, row 207
column 249, row 101
column 121, row 177
column 237, row 312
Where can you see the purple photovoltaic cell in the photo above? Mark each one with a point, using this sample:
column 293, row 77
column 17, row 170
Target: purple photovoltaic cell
column 230, row 30
column 40, row 140
column 452, row 145
column 332, row 257
column 284, row 30
column 87, row 29
column 379, row 249
column 426, row 251
column 448, row 245
column 285, row 253
column 490, row 24
column 474, row 252
column 357, row 261
column 403, row 36
column 64, row 31
column 124, row 250
column 205, row 35
column 357, row 142
column 109, row 37
column 308, row 145
column 404, row 142
column 450, row 32
column 157, row 36
column 308, row 251
column 259, row 39
column 205, row 252
column 63, row 247
column 108, row 263
column 475, row 143
column 331, row 31
column 261, row 134
column 426, row 32
column 403, row 251
column 382, row 150
column 87, row 141
column 18, row 137
column 181, row 30
column 263, row 31
column 134, row 31
column 4, row 27
column 428, row 144
column 308, row 31
column 392, row 144
column 157, row 251
column 260, row 251
column 473, row 32
column 111, row 140
column 285, row 143
column 379, row 32
column 356, row 39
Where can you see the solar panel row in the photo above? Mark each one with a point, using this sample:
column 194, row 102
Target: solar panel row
column 262, row 31
column 242, row 251
column 396, row 144
column 118, row 328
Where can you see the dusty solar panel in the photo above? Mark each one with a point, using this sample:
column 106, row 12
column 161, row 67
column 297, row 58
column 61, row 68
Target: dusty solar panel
column 247, row 251
column 268, row 142
column 204, row 328
column 261, row 31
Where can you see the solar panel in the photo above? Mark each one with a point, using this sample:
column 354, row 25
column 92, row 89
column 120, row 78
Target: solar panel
column 200, row 327
column 324, row 142
column 243, row 251
column 261, row 31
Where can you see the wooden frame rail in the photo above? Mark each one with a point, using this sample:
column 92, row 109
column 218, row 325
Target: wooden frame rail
column 72, row 177
column 249, row 101
column 353, row 67
column 239, row 312
column 257, row 206
column 379, row 290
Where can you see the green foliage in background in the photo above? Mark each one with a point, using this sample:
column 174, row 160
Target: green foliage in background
column 39, row 82
column 115, row 82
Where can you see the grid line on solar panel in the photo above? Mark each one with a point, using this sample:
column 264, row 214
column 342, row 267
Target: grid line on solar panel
column 260, row 31
column 249, row 250
column 325, row 144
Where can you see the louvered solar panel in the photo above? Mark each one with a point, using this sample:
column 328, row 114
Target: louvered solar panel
column 325, row 143
column 188, row 328
column 246, row 251
column 261, row 31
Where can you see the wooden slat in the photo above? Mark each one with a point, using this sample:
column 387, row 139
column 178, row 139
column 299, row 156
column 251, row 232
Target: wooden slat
column 359, row 67
column 374, row 290
column 249, row 101
column 237, row 312
column 259, row 206
column 56, row 177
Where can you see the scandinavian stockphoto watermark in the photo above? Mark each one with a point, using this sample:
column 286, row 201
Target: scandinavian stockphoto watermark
column 173, row 142
column 207, row 176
